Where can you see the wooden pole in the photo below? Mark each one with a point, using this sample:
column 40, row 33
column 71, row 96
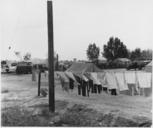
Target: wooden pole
column 39, row 82
column 57, row 63
column 50, row 57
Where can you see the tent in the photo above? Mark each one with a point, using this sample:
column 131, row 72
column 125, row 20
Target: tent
column 83, row 67
column 122, row 60
column 148, row 67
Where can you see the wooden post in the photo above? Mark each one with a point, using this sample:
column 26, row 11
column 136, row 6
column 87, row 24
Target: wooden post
column 57, row 63
column 50, row 57
column 33, row 74
column 39, row 82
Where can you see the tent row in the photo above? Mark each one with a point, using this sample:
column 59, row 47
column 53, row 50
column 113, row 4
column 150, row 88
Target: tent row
column 111, row 82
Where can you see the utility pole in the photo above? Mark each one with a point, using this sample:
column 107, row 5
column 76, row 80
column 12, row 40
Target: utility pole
column 50, row 57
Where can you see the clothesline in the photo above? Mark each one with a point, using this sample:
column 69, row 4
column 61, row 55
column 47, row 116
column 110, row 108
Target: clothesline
column 110, row 82
column 118, row 81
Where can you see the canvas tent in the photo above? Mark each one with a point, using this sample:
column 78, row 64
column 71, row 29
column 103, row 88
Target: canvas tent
column 122, row 60
column 148, row 67
column 83, row 67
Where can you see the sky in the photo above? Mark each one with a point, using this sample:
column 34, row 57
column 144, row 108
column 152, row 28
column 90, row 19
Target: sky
column 77, row 23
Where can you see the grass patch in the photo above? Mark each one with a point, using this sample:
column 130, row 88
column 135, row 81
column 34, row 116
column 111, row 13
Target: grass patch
column 21, row 117
column 77, row 115
column 80, row 115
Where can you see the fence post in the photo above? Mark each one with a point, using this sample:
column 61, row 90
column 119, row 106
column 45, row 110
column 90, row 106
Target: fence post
column 39, row 82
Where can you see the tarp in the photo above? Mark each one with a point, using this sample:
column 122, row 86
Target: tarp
column 148, row 67
column 83, row 67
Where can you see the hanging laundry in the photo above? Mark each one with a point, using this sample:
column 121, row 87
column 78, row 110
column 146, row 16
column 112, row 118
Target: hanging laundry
column 87, row 75
column 101, row 77
column 91, row 86
column 144, row 79
column 88, row 90
column 64, row 81
column 90, row 82
column 130, row 77
column 94, row 77
column 84, row 88
column 84, row 78
column 131, row 80
column 71, row 84
column 111, row 81
column 79, row 89
column 113, row 92
column 99, row 88
column 63, row 76
column 78, row 79
column 70, row 75
column 95, row 88
column 120, row 76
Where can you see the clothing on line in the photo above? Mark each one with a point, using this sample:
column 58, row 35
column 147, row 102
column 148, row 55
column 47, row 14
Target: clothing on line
column 120, row 76
column 70, row 75
column 144, row 79
column 111, row 81
column 93, row 76
column 102, row 78
column 130, row 77
column 64, row 81
column 71, row 84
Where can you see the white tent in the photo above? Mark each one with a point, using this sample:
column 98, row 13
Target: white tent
column 148, row 67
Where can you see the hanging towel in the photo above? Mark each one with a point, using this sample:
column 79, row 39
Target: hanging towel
column 84, row 78
column 120, row 76
column 63, row 77
column 70, row 75
column 144, row 79
column 111, row 81
column 102, row 78
column 81, row 76
column 94, row 77
column 64, row 81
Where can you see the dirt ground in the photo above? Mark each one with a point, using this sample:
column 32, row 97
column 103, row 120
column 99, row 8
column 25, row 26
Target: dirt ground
column 20, row 90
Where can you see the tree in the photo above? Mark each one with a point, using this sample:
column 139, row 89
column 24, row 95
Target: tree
column 27, row 56
column 93, row 52
column 139, row 54
column 114, row 49
column 136, row 54
column 146, row 54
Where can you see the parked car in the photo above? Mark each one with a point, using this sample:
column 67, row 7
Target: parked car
column 9, row 67
column 24, row 67
column 12, row 67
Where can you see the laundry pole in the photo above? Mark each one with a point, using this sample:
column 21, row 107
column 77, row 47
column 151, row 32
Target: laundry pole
column 50, row 57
